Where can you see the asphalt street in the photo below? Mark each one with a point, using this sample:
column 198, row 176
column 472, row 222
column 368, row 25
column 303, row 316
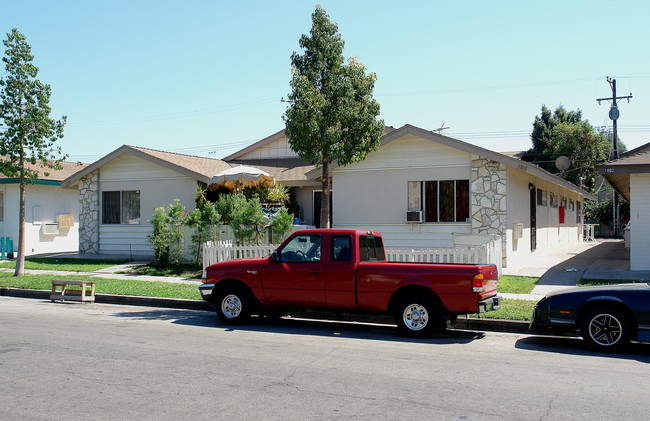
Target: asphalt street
column 100, row 361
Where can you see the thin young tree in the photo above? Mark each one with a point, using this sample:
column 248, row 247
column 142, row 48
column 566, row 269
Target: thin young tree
column 332, row 115
column 28, row 133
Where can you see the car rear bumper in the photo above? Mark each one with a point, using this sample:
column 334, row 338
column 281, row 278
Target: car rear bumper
column 489, row 304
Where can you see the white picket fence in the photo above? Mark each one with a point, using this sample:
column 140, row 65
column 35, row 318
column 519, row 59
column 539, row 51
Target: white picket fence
column 489, row 253
column 221, row 251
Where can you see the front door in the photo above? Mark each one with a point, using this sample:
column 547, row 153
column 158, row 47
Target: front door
column 533, row 217
column 299, row 275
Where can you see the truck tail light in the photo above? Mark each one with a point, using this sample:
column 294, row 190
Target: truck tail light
column 477, row 283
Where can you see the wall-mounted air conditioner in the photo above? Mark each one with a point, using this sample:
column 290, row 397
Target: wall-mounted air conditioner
column 50, row 229
column 414, row 217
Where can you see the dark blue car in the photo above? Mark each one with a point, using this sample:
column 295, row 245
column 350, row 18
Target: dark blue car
column 607, row 317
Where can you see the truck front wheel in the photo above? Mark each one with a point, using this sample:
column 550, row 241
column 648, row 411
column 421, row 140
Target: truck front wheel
column 234, row 306
column 417, row 317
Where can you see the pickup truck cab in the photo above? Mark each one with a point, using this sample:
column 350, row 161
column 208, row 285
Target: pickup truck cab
column 346, row 270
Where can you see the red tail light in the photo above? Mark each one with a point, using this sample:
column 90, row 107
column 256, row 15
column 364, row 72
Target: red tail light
column 477, row 283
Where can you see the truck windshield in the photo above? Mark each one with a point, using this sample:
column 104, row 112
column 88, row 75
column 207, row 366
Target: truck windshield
column 302, row 248
column 371, row 248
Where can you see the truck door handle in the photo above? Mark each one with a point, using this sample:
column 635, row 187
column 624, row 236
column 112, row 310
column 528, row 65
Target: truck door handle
column 315, row 272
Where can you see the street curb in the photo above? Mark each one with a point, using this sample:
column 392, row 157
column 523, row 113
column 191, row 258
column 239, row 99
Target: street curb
column 488, row 325
column 116, row 299
column 492, row 325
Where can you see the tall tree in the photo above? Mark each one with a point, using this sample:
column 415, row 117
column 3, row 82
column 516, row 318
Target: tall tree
column 29, row 133
column 332, row 115
column 565, row 133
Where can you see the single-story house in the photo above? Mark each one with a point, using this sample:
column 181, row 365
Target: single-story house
column 116, row 196
column 629, row 175
column 51, row 213
column 420, row 189
column 423, row 189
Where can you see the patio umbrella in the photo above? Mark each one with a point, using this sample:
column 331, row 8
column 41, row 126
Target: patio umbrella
column 241, row 176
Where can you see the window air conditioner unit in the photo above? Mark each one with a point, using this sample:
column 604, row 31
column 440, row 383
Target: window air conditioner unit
column 50, row 229
column 414, row 217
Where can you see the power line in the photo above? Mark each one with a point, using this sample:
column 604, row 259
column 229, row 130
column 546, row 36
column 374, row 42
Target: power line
column 491, row 88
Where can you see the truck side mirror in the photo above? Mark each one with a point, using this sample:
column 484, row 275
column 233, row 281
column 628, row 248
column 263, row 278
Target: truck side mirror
column 275, row 257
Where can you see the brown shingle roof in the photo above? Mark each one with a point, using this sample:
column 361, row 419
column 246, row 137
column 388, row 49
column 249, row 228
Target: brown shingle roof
column 197, row 167
column 208, row 167
column 67, row 169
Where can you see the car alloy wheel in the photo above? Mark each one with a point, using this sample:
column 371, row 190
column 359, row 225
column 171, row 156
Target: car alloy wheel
column 415, row 317
column 605, row 329
column 231, row 306
column 234, row 305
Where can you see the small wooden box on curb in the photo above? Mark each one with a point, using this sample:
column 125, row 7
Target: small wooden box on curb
column 84, row 293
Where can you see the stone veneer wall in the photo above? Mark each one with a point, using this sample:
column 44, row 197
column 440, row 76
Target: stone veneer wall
column 89, row 213
column 488, row 200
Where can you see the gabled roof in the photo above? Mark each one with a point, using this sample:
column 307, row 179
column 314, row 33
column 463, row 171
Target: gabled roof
column 196, row 167
column 617, row 172
column 475, row 150
column 272, row 138
column 256, row 145
column 54, row 176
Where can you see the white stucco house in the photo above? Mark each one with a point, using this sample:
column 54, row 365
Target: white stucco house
column 420, row 189
column 629, row 175
column 116, row 196
column 51, row 212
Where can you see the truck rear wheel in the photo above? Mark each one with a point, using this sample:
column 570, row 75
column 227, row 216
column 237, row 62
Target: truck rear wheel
column 417, row 317
column 234, row 305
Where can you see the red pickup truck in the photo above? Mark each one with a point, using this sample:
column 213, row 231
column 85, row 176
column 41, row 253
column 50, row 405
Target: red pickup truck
column 345, row 270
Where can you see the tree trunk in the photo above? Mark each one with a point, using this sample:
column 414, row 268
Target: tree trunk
column 20, row 258
column 325, row 197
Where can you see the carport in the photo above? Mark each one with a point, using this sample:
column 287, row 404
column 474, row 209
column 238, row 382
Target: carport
column 629, row 175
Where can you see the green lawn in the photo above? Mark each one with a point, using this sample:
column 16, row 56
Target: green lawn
column 64, row 263
column 517, row 284
column 183, row 270
column 510, row 310
column 107, row 286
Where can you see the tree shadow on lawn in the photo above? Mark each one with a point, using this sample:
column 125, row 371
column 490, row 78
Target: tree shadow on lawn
column 576, row 346
column 302, row 326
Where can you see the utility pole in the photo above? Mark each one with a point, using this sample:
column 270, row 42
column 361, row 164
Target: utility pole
column 613, row 115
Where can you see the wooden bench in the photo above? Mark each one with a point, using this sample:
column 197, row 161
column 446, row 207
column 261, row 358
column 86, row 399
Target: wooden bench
column 81, row 293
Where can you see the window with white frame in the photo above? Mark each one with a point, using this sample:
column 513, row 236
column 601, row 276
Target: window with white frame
column 440, row 200
column 121, row 207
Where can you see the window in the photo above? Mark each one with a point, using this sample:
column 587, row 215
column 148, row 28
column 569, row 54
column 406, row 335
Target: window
column 341, row 248
column 441, row 201
column 579, row 213
column 371, row 248
column 303, row 248
column 541, row 198
column 121, row 207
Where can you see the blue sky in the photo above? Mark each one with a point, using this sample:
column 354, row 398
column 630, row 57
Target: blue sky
column 206, row 77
